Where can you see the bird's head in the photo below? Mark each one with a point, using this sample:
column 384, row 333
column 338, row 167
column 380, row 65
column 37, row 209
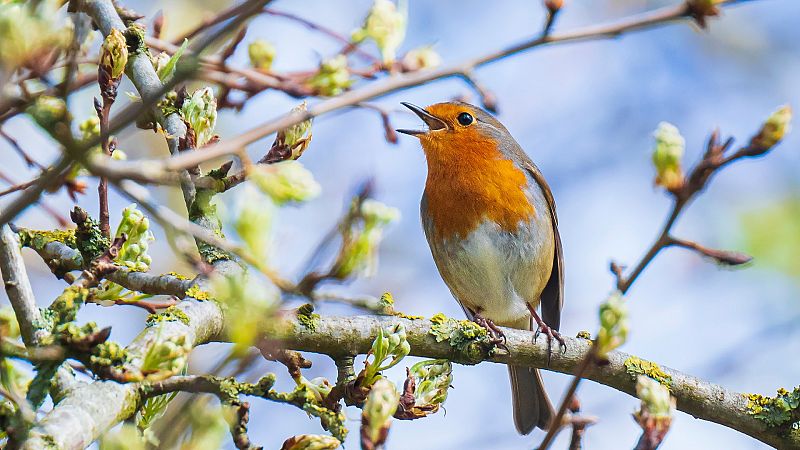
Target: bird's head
column 458, row 130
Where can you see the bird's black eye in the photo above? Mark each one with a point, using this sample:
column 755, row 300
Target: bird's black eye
column 465, row 119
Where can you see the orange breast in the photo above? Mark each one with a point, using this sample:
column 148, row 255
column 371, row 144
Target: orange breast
column 470, row 181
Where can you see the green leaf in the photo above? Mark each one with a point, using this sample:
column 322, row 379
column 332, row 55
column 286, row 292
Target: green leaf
column 169, row 68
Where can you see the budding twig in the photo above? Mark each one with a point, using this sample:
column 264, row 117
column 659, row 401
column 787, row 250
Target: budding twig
column 396, row 83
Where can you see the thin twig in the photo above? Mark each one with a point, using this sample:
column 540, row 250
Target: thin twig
column 18, row 187
column 119, row 169
column 20, row 151
column 578, row 375
column 324, row 30
column 103, row 113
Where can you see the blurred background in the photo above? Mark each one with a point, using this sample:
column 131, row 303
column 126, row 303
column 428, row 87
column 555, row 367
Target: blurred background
column 585, row 113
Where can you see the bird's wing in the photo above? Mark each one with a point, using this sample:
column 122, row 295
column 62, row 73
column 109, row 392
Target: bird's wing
column 552, row 298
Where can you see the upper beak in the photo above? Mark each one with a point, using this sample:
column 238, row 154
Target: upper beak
column 434, row 123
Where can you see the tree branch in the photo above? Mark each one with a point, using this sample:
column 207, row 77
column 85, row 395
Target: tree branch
column 122, row 169
column 347, row 336
column 90, row 410
column 62, row 258
column 18, row 286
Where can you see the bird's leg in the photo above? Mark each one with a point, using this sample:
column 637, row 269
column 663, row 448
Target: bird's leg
column 551, row 334
column 496, row 335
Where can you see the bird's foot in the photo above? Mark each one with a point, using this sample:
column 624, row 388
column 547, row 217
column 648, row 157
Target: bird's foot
column 543, row 328
column 496, row 335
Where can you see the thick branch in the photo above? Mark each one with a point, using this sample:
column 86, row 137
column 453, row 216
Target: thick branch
column 90, row 410
column 18, row 286
column 343, row 336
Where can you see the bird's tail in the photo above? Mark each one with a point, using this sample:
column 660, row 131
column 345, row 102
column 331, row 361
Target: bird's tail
column 532, row 407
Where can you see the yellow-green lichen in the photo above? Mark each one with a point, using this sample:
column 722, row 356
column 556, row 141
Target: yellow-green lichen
column 211, row 254
column 637, row 366
column 178, row 276
column 198, row 294
column 304, row 398
column 90, row 240
column 134, row 38
column 466, row 336
column 783, row 409
column 66, row 306
column 37, row 239
column 50, row 442
column 407, row 316
column 387, row 300
column 171, row 314
column 307, row 317
column 583, row 334
column 204, row 213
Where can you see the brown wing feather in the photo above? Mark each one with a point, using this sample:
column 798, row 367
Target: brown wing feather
column 553, row 293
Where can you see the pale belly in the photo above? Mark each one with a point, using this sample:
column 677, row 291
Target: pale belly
column 497, row 273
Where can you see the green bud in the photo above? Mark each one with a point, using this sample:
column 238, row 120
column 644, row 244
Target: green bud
column 376, row 213
column 311, row 442
column 166, row 358
column 30, row 34
column 655, row 397
column 422, row 58
column 114, row 54
column 166, row 65
column 286, row 181
column 296, row 138
column 360, row 250
column 433, row 378
column 390, row 343
column 90, row 128
column 249, row 304
column 332, row 77
column 319, row 387
column 656, row 409
column 261, row 53
column 253, row 221
column 613, row 324
column 667, row 156
column 47, row 111
column 133, row 253
column 376, row 418
column 200, row 112
column 160, row 62
column 772, row 131
column 9, row 328
column 386, row 25
column 127, row 437
column 209, row 428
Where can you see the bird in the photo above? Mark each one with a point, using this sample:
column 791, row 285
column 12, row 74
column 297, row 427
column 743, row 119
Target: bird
column 490, row 220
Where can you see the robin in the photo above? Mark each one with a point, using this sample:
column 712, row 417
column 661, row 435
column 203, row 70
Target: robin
column 490, row 220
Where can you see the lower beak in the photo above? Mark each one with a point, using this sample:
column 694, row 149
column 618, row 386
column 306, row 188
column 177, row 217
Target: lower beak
column 434, row 123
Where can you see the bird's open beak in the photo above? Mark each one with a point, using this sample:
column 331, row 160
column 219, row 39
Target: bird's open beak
column 434, row 123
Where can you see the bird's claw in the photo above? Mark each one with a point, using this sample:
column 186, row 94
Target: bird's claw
column 543, row 328
column 496, row 336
